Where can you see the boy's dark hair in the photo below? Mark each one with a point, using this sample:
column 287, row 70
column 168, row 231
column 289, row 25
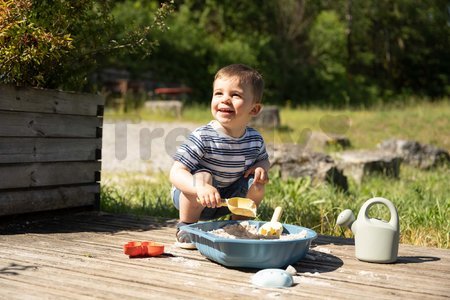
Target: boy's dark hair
column 246, row 75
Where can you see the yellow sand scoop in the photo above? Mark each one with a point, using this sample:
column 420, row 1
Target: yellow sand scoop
column 240, row 206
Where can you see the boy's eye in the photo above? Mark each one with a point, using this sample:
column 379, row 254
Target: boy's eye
column 236, row 95
column 218, row 94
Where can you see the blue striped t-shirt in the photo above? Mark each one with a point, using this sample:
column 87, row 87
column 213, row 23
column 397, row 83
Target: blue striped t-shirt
column 227, row 158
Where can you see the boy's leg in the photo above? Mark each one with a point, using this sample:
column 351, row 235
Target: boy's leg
column 190, row 209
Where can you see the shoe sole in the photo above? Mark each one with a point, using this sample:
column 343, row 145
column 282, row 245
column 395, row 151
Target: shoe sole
column 189, row 246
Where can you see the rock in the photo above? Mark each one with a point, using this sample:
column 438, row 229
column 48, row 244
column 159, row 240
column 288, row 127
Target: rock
column 294, row 161
column 291, row 270
column 171, row 106
column 269, row 117
column 359, row 164
column 423, row 156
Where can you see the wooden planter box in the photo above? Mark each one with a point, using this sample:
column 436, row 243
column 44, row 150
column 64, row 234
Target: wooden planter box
column 50, row 150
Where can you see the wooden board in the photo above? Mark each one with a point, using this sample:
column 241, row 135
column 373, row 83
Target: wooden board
column 81, row 256
column 49, row 101
column 48, row 174
column 19, row 124
column 44, row 199
column 25, row 150
column 50, row 147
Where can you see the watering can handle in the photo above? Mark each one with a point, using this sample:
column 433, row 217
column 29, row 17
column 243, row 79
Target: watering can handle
column 364, row 211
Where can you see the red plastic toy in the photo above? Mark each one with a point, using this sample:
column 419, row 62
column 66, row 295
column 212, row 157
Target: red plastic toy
column 143, row 249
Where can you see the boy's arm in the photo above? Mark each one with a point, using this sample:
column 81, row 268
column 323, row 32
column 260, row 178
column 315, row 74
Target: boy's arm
column 182, row 179
column 265, row 164
column 260, row 171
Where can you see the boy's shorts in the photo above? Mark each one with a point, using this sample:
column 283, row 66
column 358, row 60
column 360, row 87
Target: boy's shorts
column 238, row 189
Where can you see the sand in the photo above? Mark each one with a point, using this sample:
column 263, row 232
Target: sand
column 244, row 230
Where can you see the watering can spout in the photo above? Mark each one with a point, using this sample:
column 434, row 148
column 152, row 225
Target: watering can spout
column 347, row 219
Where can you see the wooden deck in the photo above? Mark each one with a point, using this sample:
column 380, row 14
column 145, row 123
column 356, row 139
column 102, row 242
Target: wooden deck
column 80, row 256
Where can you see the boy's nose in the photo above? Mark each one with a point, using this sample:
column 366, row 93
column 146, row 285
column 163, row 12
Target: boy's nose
column 226, row 99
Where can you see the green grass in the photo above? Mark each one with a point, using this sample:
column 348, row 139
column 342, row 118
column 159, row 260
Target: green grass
column 136, row 194
column 421, row 197
column 194, row 114
column 425, row 122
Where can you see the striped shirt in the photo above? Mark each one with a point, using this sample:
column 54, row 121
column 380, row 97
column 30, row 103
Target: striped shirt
column 227, row 158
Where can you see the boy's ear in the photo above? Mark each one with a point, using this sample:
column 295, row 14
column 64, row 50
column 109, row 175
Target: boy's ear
column 256, row 109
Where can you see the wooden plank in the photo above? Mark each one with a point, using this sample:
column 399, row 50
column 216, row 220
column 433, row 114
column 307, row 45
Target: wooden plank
column 26, row 201
column 11, row 289
column 175, row 266
column 20, row 124
column 407, row 273
column 61, row 255
column 49, row 101
column 24, row 150
column 324, row 263
column 102, row 284
column 153, row 277
column 48, row 174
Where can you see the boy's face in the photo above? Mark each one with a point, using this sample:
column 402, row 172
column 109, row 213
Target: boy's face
column 233, row 104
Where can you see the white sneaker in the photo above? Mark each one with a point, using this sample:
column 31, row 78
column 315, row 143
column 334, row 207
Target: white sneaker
column 184, row 240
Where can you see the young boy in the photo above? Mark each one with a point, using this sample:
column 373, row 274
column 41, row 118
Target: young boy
column 224, row 158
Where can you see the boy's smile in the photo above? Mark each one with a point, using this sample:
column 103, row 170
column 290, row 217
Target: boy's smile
column 233, row 105
column 225, row 110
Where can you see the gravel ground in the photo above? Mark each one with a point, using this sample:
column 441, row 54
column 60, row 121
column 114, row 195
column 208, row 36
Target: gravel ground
column 143, row 146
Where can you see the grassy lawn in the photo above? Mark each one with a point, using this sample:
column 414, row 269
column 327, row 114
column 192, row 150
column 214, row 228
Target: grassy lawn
column 427, row 123
column 421, row 197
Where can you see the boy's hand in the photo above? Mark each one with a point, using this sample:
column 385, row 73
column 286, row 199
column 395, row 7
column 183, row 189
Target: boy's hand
column 260, row 174
column 208, row 195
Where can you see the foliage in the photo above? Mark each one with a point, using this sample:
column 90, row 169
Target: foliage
column 327, row 37
column 58, row 43
column 201, row 39
column 337, row 53
column 327, row 52
column 27, row 47
column 401, row 45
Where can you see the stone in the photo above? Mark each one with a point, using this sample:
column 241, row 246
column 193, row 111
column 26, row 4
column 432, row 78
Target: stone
column 358, row 164
column 293, row 161
column 171, row 106
column 423, row 156
column 269, row 117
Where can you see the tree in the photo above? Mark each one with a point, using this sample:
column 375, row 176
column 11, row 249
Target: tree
column 327, row 37
column 342, row 52
column 401, row 46
column 204, row 37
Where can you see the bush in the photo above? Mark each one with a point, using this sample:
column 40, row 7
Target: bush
column 55, row 44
